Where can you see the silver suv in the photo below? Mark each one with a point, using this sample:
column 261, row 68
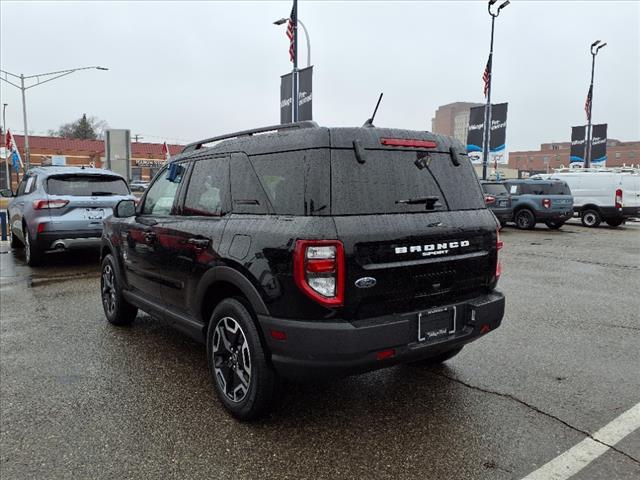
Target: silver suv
column 60, row 208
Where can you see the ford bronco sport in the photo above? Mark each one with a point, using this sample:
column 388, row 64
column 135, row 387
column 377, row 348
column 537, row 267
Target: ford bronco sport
column 301, row 251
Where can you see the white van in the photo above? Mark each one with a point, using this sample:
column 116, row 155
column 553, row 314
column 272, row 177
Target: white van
column 602, row 194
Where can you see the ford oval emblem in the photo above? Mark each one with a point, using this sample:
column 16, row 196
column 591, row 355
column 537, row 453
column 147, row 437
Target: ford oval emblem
column 366, row 282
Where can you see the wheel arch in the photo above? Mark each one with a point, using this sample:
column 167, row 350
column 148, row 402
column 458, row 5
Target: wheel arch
column 590, row 206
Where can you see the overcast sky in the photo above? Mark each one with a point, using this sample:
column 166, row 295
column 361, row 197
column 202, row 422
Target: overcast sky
column 186, row 70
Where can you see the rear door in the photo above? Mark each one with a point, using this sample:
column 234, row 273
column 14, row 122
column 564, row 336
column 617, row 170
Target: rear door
column 90, row 199
column 417, row 256
column 630, row 190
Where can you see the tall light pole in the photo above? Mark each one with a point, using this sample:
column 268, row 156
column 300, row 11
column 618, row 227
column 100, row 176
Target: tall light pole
column 47, row 78
column 595, row 48
column 282, row 21
column 486, row 141
column 4, row 144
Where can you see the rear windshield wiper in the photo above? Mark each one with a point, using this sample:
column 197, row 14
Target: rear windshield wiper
column 96, row 194
column 429, row 202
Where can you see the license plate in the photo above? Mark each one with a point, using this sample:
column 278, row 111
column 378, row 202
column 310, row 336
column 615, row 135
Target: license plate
column 436, row 324
column 94, row 213
column 502, row 203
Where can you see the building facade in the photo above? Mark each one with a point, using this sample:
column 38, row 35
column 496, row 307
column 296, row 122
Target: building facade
column 453, row 120
column 146, row 158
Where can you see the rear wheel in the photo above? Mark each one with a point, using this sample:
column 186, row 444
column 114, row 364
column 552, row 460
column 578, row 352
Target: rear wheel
column 32, row 251
column 525, row 219
column 591, row 218
column 554, row 224
column 615, row 223
column 438, row 359
column 117, row 310
column 244, row 381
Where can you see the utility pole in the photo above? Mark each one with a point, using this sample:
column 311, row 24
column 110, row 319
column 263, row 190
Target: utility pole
column 486, row 141
column 595, row 47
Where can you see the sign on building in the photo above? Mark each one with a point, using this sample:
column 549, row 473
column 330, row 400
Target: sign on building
column 118, row 152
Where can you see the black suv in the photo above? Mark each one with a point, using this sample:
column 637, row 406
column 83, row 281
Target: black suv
column 301, row 251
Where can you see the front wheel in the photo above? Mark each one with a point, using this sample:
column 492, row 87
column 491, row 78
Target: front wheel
column 615, row 223
column 554, row 224
column 591, row 218
column 244, row 381
column 117, row 310
column 525, row 219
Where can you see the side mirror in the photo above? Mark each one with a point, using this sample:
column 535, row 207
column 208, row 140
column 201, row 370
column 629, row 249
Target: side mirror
column 6, row 193
column 125, row 208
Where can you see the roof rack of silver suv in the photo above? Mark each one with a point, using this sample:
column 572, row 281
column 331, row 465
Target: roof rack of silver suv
column 247, row 133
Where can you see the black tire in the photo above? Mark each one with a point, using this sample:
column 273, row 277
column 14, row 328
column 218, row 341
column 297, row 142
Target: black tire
column 554, row 225
column 590, row 218
column 438, row 359
column 525, row 219
column 32, row 250
column 615, row 223
column 503, row 224
column 244, row 381
column 117, row 310
column 14, row 241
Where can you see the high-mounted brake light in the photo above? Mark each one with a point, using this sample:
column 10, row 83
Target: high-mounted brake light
column 546, row 203
column 42, row 204
column 402, row 142
column 318, row 270
column 619, row 198
column 489, row 199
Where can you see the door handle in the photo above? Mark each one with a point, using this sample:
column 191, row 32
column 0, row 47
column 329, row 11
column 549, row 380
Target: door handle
column 199, row 242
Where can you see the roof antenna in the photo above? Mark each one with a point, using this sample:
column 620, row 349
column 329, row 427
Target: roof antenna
column 369, row 122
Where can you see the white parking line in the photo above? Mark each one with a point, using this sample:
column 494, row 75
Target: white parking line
column 576, row 458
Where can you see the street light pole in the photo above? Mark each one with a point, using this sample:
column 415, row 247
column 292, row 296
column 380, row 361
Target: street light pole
column 595, row 47
column 23, row 89
column 486, row 141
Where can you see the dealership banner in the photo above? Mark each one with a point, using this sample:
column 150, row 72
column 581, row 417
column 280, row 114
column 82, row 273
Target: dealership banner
column 497, row 141
column 305, row 96
column 599, row 145
column 576, row 156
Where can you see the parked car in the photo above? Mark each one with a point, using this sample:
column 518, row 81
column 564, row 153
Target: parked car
column 609, row 195
column 61, row 208
column 538, row 200
column 307, row 251
column 498, row 200
column 138, row 185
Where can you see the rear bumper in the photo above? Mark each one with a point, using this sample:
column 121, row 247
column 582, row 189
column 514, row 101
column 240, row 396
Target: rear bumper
column 556, row 215
column 68, row 240
column 321, row 349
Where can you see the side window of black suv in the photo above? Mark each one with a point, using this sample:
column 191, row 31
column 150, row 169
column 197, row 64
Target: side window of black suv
column 161, row 194
column 208, row 189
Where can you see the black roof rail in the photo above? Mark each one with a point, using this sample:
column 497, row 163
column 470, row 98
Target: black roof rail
column 247, row 133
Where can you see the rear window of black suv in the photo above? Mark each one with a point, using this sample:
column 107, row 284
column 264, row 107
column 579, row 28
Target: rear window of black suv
column 386, row 177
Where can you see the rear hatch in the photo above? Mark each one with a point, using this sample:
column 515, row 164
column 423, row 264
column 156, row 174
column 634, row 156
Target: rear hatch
column 556, row 195
column 89, row 198
column 420, row 252
column 499, row 192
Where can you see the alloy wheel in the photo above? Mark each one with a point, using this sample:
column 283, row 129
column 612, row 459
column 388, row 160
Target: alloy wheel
column 231, row 359
column 108, row 289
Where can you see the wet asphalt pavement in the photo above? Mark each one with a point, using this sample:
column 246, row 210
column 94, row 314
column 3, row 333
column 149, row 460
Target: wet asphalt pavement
column 82, row 399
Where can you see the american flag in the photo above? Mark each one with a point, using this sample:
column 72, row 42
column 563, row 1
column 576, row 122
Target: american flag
column 290, row 33
column 165, row 151
column 486, row 76
column 587, row 103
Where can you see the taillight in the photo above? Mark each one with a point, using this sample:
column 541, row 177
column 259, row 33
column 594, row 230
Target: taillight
column 619, row 198
column 499, row 245
column 546, row 203
column 489, row 199
column 318, row 270
column 42, row 204
column 403, row 142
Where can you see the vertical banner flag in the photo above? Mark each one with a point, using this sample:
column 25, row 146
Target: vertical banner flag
column 12, row 151
column 576, row 156
column 599, row 145
column 497, row 141
column 305, row 96
column 165, row 151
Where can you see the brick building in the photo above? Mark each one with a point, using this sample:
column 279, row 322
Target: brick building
column 146, row 158
column 453, row 120
column 555, row 155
